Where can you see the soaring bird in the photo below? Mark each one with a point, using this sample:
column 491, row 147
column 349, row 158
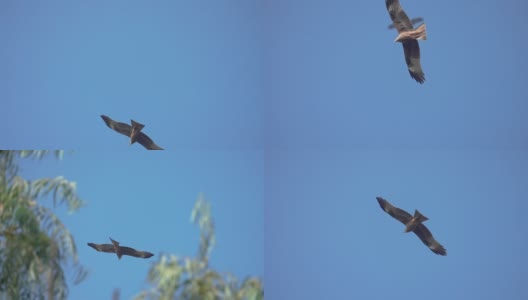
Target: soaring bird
column 120, row 250
column 414, row 224
column 409, row 38
column 134, row 132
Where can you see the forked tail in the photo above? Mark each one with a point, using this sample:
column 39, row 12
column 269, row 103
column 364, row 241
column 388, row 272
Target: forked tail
column 420, row 33
column 117, row 249
column 137, row 125
column 419, row 217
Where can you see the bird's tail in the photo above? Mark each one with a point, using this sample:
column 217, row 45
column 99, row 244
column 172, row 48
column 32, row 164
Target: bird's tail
column 420, row 33
column 137, row 125
column 117, row 249
column 419, row 217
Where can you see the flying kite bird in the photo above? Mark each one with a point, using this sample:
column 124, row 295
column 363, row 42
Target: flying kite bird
column 134, row 132
column 414, row 224
column 409, row 38
column 120, row 250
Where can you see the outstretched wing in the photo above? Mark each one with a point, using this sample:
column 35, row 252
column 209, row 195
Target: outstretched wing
column 427, row 238
column 144, row 140
column 122, row 128
column 397, row 213
column 411, row 50
column 413, row 21
column 103, row 247
column 398, row 16
column 135, row 253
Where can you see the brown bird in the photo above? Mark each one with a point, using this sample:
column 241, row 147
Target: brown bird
column 120, row 250
column 409, row 38
column 413, row 224
column 134, row 132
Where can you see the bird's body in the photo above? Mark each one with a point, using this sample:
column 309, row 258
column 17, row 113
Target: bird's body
column 117, row 249
column 136, row 129
column 412, row 35
column 120, row 250
column 409, row 37
column 415, row 221
column 414, row 224
column 133, row 132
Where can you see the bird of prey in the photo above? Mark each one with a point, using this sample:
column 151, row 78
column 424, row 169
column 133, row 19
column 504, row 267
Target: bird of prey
column 120, row 250
column 409, row 38
column 413, row 21
column 414, row 224
column 134, row 132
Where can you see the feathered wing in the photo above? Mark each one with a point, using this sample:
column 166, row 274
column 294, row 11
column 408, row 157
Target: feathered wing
column 103, row 247
column 411, row 50
column 398, row 16
column 427, row 238
column 413, row 21
column 135, row 253
column 122, row 128
column 144, row 140
column 397, row 213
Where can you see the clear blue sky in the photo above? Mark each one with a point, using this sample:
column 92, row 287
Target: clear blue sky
column 321, row 89
column 190, row 71
column 329, row 238
column 349, row 124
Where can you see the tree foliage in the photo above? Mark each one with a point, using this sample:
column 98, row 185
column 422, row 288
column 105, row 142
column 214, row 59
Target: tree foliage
column 35, row 247
column 187, row 278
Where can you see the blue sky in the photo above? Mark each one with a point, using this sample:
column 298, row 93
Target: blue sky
column 190, row 72
column 329, row 238
column 320, row 95
column 340, row 80
column 349, row 124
